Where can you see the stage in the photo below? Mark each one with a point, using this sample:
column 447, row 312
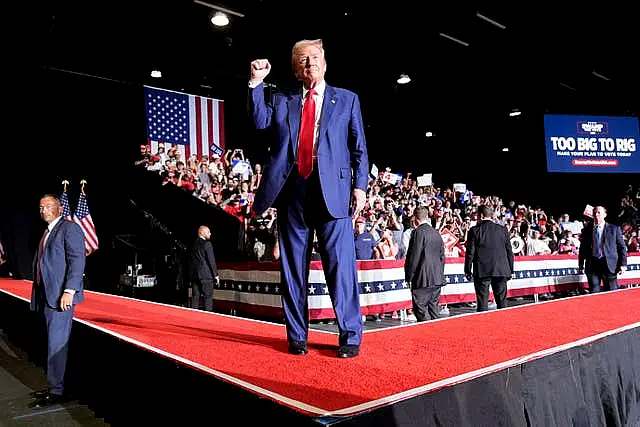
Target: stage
column 573, row 361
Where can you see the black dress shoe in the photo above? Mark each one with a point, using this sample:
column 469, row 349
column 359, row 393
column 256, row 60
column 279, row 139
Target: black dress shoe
column 298, row 348
column 39, row 393
column 348, row 350
column 47, row 400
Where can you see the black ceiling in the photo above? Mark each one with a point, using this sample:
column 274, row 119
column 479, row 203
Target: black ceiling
column 543, row 61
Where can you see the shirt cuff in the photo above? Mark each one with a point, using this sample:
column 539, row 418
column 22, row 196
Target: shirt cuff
column 70, row 291
column 254, row 84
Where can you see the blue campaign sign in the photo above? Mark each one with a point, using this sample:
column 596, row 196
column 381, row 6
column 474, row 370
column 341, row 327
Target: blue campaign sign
column 592, row 143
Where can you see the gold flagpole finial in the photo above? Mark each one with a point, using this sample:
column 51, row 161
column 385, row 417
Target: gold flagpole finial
column 65, row 183
column 82, row 183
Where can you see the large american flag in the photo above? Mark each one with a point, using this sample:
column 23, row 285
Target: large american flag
column 193, row 122
column 83, row 218
column 66, row 209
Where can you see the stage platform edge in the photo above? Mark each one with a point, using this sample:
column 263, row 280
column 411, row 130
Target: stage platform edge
column 594, row 384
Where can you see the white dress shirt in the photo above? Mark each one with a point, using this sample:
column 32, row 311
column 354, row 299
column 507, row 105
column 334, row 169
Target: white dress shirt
column 599, row 228
column 50, row 227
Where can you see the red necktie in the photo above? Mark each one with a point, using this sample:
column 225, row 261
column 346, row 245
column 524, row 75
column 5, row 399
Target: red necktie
column 40, row 250
column 307, row 133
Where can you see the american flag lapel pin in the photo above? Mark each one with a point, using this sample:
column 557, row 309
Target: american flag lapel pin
column 333, row 101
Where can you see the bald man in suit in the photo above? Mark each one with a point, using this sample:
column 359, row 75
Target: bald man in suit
column 203, row 269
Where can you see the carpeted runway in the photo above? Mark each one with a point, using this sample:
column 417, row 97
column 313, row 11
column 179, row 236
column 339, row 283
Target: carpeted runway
column 391, row 367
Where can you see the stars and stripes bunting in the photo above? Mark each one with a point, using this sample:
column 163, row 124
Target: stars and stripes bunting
column 382, row 286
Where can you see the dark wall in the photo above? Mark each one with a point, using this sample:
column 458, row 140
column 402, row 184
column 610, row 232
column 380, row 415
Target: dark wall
column 78, row 127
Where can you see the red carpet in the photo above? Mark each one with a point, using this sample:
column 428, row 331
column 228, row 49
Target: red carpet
column 393, row 362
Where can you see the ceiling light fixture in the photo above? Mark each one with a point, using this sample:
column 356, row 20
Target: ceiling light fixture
column 156, row 74
column 446, row 36
column 428, row 134
column 567, row 86
column 220, row 8
column 505, row 149
column 515, row 112
column 220, row 19
column 403, row 79
column 490, row 21
column 599, row 75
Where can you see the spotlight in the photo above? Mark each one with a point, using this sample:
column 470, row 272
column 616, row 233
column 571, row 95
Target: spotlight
column 403, row 79
column 220, row 19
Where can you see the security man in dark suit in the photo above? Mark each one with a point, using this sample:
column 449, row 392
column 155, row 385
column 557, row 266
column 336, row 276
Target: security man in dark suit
column 603, row 252
column 57, row 288
column 203, row 270
column 424, row 266
column 490, row 257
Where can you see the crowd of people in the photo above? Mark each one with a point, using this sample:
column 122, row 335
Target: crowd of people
column 383, row 229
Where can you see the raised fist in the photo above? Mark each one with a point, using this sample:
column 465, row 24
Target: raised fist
column 260, row 68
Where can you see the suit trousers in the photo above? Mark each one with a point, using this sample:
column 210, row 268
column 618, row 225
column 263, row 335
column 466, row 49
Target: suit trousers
column 301, row 210
column 426, row 302
column 599, row 272
column 499, row 286
column 58, row 325
column 204, row 288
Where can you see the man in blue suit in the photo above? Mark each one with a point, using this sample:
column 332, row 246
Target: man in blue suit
column 317, row 178
column 603, row 252
column 57, row 287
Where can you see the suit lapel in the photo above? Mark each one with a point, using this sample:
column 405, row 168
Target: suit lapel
column 294, row 106
column 329, row 105
column 52, row 236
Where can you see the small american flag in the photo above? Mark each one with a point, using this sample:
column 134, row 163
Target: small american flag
column 194, row 123
column 215, row 149
column 83, row 218
column 66, row 210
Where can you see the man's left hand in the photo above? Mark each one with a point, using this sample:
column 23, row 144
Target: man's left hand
column 622, row 269
column 66, row 301
column 358, row 198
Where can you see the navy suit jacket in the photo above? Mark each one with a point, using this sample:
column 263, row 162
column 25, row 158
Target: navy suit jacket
column 341, row 146
column 489, row 252
column 62, row 265
column 615, row 250
column 202, row 264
